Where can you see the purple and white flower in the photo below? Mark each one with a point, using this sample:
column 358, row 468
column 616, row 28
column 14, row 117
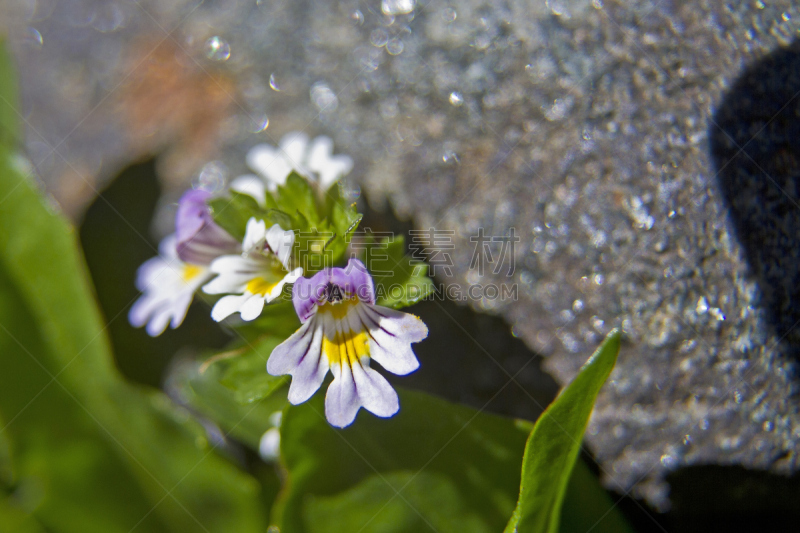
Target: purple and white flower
column 342, row 329
column 314, row 160
column 257, row 275
column 168, row 282
column 168, row 285
column 200, row 239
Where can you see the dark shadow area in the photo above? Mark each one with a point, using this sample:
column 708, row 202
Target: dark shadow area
column 755, row 146
column 731, row 499
column 113, row 236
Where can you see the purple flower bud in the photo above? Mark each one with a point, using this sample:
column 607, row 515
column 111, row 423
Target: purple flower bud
column 199, row 239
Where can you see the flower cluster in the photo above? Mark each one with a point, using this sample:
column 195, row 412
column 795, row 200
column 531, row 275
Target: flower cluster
column 242, row 246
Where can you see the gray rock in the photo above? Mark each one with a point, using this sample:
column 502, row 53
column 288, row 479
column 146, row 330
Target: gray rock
column 585, row 126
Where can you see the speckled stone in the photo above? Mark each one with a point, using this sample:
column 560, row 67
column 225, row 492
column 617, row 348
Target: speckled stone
column 584, row 125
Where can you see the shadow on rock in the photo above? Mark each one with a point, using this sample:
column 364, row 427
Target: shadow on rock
column 755, row 144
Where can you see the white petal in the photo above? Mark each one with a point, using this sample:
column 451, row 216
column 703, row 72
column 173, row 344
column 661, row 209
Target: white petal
column 280, row 242
column 251, row 185
column 287, row 355
column 335, row 168
column 341, row 401
column 319, row 152
column 374, row 392
column 293, row 145
column 227, row 305
column 300, row 356
column 158, row 322
column 254, row 235
column 252, row 307
column 235, row 272
column 391, row 334
column 270, row 163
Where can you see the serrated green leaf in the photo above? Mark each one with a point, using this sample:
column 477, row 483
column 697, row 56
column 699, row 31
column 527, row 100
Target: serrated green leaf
column 232, row 212
column 554, row 443
column 343, row 213
column 296, row 197
column 400, row 280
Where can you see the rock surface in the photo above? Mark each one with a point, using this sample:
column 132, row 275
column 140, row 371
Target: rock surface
column 586, row 126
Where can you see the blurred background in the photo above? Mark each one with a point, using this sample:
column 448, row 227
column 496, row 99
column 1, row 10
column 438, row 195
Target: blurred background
column 645, row 153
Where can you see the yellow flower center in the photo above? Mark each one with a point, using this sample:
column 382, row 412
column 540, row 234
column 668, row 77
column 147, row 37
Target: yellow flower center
column 191, row 271
column 261, row 286
column 343, row 345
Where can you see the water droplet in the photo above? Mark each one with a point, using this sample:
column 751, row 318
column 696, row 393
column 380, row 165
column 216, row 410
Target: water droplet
column 768, row 426
column 577, row 306
column 394, row 46
column 259, row 123
column 668, row 461
column 273, row 84
column 397, row 7
column 449, row 156
column 378, row 37
column 449, row 15
column 786, row 17
column 357, row 16
column 33, row 38
column 217, row 49
column 212, row 177
column 456, row 99
column 323, row 97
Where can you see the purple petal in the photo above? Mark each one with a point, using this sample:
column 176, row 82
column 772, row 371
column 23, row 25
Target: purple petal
column 199, row 239
column 355, row 281
column 308, row 292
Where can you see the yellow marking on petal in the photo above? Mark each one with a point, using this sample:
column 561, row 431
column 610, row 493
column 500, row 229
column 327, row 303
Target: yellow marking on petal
column 348, row 346
column 191, row 271
column 260, row 286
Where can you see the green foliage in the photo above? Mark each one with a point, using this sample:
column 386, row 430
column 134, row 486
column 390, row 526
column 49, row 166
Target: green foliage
column 84, row 443
column 400, row 280
column 9, row 116
column 244, row 370
column 473, row 457
column 554, row 443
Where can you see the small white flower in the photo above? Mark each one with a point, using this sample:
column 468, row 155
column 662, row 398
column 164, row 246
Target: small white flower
column 255, row 277
column 168, row 285
column 314, row 160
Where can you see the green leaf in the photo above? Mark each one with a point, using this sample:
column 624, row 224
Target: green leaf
column 587, row 507
column 232, row 212
column 343, row 214
column 554, row 443
column 245, row 372
column 57, row 375
column 296, row 197
column 9, row 115
column 472, row 457
column 430, row 502
column 400, row 280
column 200, row 387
